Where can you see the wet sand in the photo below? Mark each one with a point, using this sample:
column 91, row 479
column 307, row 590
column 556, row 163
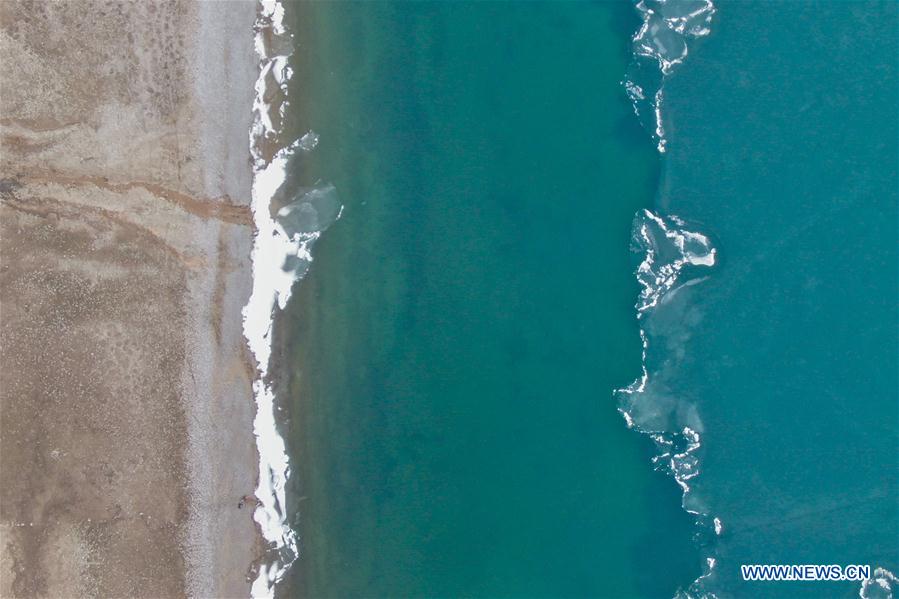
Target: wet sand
column 126, row 425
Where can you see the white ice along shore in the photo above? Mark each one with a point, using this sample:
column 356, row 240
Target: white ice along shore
column 668, row 249
column 281, row 256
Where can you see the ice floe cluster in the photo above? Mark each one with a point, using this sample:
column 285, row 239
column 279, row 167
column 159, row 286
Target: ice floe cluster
column 673, row 255
column 660, row 46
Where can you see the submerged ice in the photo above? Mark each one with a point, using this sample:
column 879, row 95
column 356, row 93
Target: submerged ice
column 301, row 222
column 313, row 211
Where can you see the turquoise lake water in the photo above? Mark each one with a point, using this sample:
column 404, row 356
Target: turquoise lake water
column 452, row 356
column 457, row 341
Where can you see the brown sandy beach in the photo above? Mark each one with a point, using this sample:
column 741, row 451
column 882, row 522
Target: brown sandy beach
column 126, row 432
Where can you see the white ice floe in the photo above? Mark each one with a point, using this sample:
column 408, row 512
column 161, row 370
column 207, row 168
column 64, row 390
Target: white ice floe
column 667, row 248
column 879, row 586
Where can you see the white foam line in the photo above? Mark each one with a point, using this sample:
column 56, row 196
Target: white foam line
column 658, row 278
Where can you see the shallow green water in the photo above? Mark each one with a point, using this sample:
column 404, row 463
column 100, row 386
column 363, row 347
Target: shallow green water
column 453, row 350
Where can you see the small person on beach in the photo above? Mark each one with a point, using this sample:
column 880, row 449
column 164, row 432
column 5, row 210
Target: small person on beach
column 246, row 499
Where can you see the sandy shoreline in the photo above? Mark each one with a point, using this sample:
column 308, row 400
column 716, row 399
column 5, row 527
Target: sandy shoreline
column 126, row 432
